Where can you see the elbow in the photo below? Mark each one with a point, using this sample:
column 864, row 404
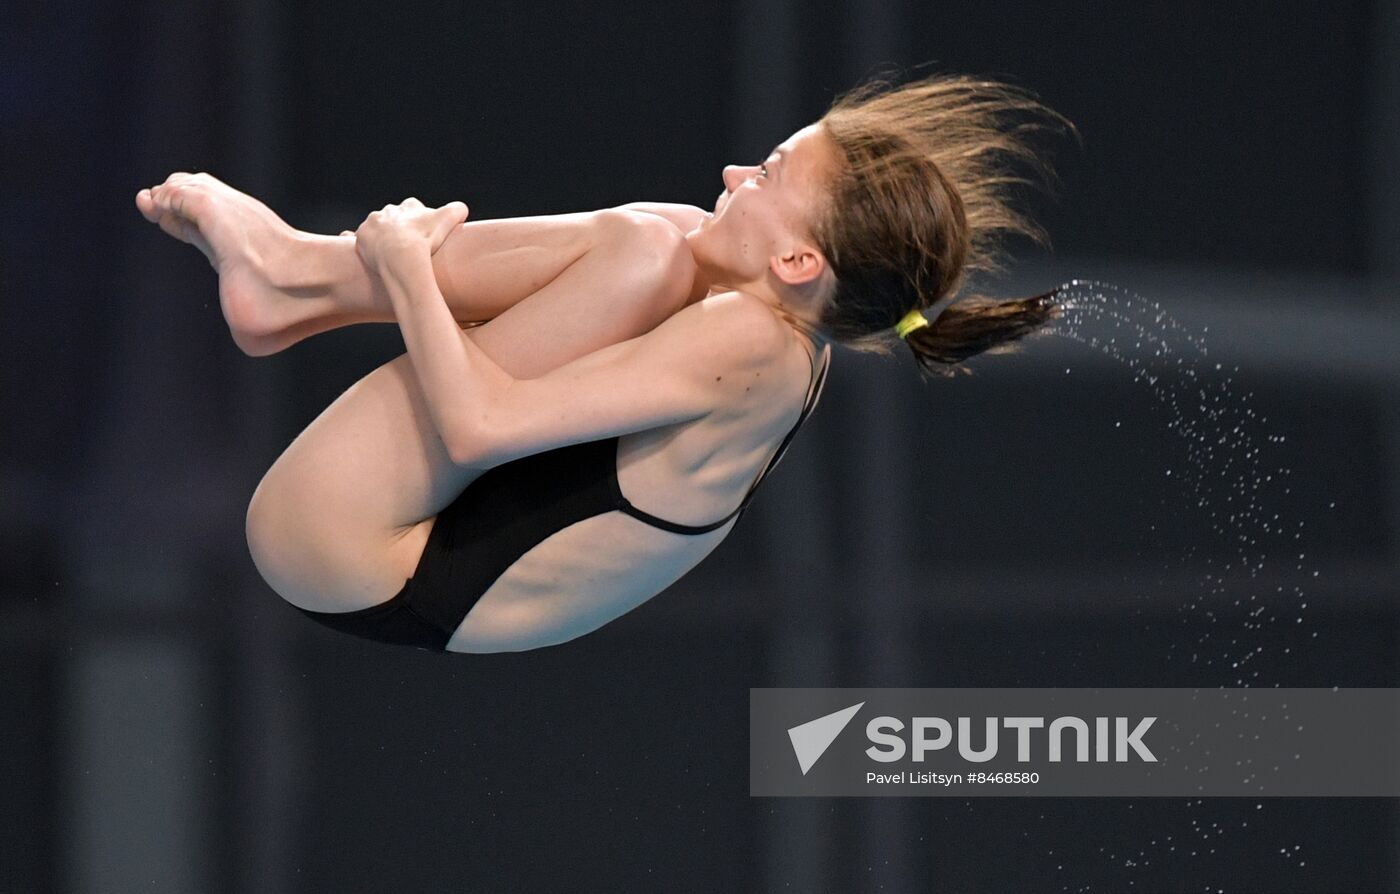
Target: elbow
column 461, row 453
column 467, row 444
column 476, row 434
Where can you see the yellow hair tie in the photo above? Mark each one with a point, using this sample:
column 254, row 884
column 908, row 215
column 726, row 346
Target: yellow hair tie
column 915, row 319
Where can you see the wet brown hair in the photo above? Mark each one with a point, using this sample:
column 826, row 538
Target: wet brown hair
column 919, row 201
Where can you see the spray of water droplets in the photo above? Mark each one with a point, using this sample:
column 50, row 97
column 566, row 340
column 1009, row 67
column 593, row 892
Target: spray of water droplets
column 1224, row 475
column 1222, row 469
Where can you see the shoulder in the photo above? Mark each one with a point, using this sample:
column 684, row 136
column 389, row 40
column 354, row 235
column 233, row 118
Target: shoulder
column 739, row 329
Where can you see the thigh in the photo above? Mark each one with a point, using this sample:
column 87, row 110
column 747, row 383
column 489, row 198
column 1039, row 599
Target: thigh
column 340, row 519
column 331, row 525
column 486, row 267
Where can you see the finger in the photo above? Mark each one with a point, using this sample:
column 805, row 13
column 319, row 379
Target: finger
column 450, row 215
column 411, row 202
column 446, row 219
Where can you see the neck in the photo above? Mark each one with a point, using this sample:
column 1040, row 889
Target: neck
column 797, row 305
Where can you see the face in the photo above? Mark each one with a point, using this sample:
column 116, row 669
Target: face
column 760, row 221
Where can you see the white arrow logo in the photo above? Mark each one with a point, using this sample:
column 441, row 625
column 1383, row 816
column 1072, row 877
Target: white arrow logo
column 811, row 739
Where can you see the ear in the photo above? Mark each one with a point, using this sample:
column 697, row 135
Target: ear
column 802, row 264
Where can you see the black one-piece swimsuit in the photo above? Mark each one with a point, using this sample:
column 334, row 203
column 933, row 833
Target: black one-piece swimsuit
column 502, row 515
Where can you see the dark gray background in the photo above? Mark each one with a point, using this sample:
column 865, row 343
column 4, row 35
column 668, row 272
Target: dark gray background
column 170, row 725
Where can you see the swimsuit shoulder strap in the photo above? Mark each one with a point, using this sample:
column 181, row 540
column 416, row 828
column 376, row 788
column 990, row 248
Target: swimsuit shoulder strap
column 814, row 390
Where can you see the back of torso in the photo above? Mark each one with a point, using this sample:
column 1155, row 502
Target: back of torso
column 591, row 571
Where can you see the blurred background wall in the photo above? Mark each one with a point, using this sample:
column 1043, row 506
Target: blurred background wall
column 168, row 724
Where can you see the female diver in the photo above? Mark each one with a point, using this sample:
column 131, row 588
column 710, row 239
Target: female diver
column 468, row 495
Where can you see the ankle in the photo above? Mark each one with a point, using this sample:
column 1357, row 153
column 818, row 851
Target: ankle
column 317, row 263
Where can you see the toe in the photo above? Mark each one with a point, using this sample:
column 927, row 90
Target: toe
column 190, row 201
column 175, row 225
column 181, row 198
column 147, row 206
column 160, row 197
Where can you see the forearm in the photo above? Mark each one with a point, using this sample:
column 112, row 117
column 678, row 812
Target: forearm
column 459, row 382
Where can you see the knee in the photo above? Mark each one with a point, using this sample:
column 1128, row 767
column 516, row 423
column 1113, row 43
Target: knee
column 655, row 253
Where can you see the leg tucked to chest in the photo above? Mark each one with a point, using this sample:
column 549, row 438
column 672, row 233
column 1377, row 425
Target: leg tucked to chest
column 340, row 520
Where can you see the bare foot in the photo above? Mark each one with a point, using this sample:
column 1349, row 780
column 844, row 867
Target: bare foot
column 245, row 242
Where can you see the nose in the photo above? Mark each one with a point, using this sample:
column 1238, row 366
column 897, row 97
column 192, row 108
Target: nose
column 734, row 175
